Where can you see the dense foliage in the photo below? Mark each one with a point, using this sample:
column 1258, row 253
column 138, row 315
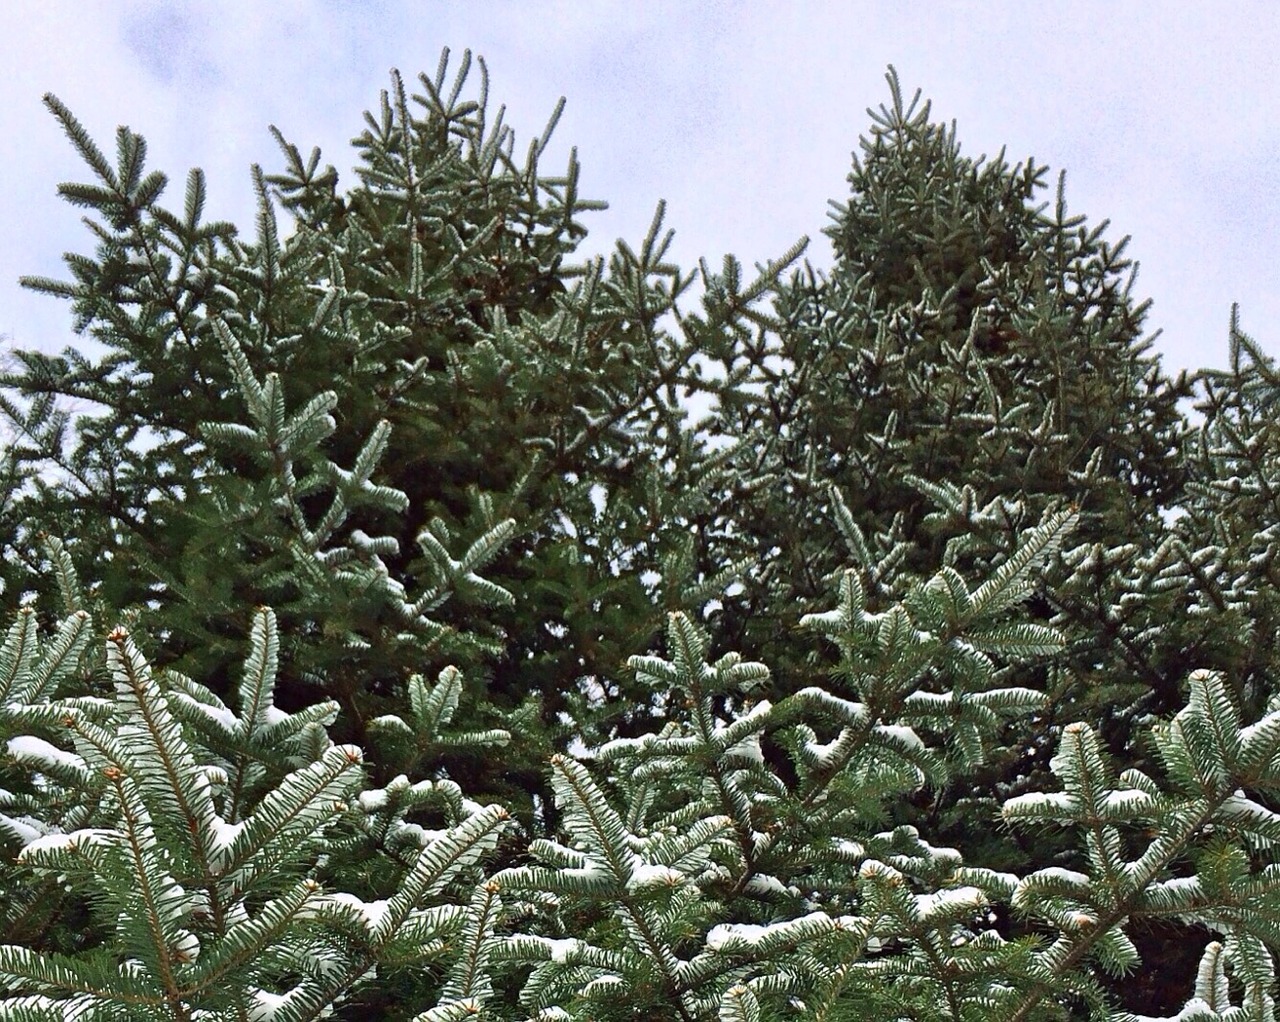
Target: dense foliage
column 389, row 638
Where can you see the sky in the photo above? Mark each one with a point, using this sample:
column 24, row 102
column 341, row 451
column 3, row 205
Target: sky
column 742, row 116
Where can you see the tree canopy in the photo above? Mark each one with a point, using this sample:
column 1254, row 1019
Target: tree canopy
column 389, row 637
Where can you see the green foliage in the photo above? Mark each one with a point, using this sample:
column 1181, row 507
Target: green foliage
column 388, row 641
column 204, row 860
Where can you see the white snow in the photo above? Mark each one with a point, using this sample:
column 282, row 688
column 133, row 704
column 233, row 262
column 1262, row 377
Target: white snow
column 824, row 753
column 1041, row 803
column 1129, row 800
column 21, row 828
column 371, row 912
column 76, row 839
column 420, row 836
column 606, row 982
column 1194, row 1008
column 748, row 749
column 28, row 747
column 617, row 746
column 929, row 905
column 266, row 1005
column 760, row 709
column 1188, row 886
column 591, row 871
column 220, row 715
column 372, row 801
column 730, row 935
column 905, row 861
column 930, row 702
column 762, row 883
column 1247, row 733
column 1069, row 876
column 212, row 776
column 902, row 734
column 1239, row 808
column 560, row 947
column 187, row 946
column 846, row 710
column 224, row 835
column 647, row 875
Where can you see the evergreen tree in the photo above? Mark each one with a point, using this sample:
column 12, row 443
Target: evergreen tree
column 422, row 327
column 973, row 355
column 974, row 358
column 375, row 651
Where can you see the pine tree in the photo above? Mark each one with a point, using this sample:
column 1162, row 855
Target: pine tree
column 375, row 650
column 970, row 347
column 686, row 879
column 423, row 327
column 974, row 358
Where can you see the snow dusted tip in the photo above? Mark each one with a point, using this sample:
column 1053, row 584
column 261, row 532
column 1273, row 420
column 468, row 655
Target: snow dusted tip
column 1194, row 1009
column 742, row 936
column 69, row 842
column 267, row 1007
column 370, row 914
column 23, row 828
column 766, row 885
column 560, row 948
column 453, row 1011
column 654, row 876
column 28, row 749
column 950, row 901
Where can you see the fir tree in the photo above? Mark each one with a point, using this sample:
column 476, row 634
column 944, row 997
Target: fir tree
column 974, row 357
column 375, row 650
column 424, row 327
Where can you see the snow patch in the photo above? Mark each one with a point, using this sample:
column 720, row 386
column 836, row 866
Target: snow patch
column 21, row 828
column 371, row 913
column 560, row 947
column 69, row 842
column 224, row 836
column 762, row 883
column 902, row 734
column 942, row 902
column 728, row 936
column 372, row 801
column 220, row 715
column 28, row 747
column 646, row 875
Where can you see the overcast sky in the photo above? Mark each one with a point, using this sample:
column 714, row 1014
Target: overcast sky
column 742, row 116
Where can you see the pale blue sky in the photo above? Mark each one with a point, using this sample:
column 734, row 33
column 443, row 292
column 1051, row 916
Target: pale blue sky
column 1166, row 117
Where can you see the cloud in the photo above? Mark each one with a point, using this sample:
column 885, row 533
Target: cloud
column 163, row 40
column 743, row 116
